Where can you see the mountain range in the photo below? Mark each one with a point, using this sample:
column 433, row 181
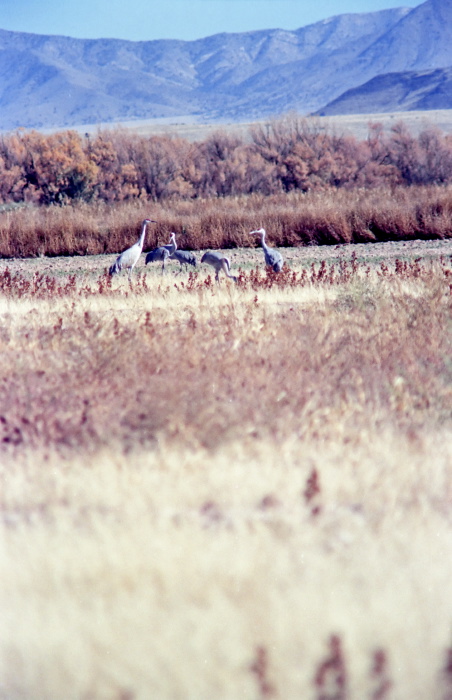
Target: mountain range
column 389, row 60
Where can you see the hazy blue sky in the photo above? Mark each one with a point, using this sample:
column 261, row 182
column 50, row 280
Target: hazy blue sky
column 173, row 19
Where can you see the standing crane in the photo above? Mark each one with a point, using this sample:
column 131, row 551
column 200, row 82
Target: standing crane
column 162, row 253
column 130, row 257
column 185, row 257
column 219, row 263
column 273, row 257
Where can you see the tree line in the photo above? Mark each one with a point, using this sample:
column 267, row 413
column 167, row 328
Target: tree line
column 288, row 154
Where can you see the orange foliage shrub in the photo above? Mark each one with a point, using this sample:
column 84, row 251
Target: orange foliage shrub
column 281, row 156
column 43, row 169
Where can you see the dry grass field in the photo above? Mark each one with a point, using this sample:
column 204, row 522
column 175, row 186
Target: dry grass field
column 235, row 491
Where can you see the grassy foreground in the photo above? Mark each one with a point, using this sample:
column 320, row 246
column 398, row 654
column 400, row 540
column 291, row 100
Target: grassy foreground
column 228, row 493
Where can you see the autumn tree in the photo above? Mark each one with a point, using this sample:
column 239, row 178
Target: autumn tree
column 56, row 167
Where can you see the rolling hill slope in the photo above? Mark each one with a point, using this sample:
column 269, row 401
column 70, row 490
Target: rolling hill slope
column 396, row 92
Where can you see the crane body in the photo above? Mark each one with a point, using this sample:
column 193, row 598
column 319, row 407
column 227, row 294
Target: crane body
column 219, row 263
column 273, row 257
column 162, row 253
column 129, row 258
column 185, row 257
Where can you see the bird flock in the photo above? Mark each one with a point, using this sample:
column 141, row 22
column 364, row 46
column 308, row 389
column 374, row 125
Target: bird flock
column 129, row 257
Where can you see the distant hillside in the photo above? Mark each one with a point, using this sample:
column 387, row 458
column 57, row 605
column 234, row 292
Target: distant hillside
column 396, row 92
column 51, row 81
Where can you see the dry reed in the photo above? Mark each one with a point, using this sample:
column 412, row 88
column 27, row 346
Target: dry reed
column 293, row 219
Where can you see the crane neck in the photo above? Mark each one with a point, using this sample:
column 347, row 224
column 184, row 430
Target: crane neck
column 143, row 233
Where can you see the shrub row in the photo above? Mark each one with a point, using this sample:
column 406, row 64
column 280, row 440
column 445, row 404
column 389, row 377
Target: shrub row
column 289, row 154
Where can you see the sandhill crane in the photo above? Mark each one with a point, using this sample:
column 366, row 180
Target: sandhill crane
column 272, row 257
column 218, row 262
column 185, row 257
column 130, row 257
column 162, row 253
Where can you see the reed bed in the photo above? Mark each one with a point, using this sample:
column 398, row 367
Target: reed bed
column 293, row 219
column 227, row 491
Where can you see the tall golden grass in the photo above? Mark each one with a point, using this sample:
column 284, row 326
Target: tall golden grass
column 223, row 492
column 292, row 219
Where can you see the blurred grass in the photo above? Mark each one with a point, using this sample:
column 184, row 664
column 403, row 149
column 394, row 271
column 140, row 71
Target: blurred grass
column 157, row 446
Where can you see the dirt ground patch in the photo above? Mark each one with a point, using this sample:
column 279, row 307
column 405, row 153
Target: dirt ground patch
column 368, row 253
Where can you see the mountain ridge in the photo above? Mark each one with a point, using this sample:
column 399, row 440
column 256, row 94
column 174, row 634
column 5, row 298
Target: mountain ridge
column 56, row 81
column 397, row 92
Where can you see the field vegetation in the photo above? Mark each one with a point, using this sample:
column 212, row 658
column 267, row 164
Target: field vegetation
column 235, row 491
column 294, row 219
column 68, row 194
column 238, row 490
column 283, row 155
